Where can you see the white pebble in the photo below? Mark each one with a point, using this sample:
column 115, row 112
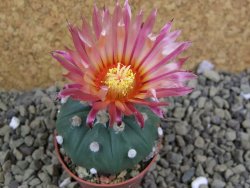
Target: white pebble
column 64, row 99
column 59, row 139
column 199, row 181
column 204, row 66
column 132, row 153
column 245, row 95
column 14, row 123
column 94, row 146
column 160, row 131
column 65, row 182
column 93, row 171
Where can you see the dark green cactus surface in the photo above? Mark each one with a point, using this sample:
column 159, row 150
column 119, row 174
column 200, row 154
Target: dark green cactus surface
column 112, row 156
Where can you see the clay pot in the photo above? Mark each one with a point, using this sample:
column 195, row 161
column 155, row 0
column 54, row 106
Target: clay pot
column 131, row 183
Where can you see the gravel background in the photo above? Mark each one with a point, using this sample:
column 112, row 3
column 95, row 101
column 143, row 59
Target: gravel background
column 207, row 133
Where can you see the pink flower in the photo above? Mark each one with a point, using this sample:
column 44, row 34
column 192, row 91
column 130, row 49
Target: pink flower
column 121, row 63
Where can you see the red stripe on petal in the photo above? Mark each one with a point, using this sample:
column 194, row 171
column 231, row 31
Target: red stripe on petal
column 138, row 116
column 100, row 105
column 91, row 117
column 123, row 107
column 112, row 114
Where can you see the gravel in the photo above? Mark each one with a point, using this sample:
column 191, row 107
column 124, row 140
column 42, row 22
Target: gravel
column 207, row 134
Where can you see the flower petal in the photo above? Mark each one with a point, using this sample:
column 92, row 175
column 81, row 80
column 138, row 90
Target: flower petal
column 78, row 94
column 91, row 117
column 67, row 64
column 96, row 22
column 138, row 116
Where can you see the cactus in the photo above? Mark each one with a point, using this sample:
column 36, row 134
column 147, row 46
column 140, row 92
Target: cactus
column 104, row 148
column 117, row 66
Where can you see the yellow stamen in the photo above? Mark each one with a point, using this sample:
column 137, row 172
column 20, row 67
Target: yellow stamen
column 120, row 81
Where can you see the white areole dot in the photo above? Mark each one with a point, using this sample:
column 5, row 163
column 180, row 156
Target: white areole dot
column 59, row 139
column 94, row 146
column 93, row 171
column 64, row 99
column 160, row 131
column 132, row 153
column 76, row 121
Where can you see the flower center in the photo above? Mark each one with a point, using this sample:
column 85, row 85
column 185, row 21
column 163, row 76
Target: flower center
column 120, row 81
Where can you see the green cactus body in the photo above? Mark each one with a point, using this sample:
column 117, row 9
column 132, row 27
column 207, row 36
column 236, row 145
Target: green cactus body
column 112, row 155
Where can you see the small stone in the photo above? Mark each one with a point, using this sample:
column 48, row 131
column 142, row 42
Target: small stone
column 199, row 170
column 247, row 156
column 181, row 128
column 22, row 164
column 32, row 109
column 212, row 75
column 199, row 142
column 13, row 184
column 228, row 173
column 28, row 173
column 81, row 172
column 187, row 176
column 134, row 173
column 51, row 169
column 201, row 102
column 179, row 112
column 34, row 182
column 48, row 102
column 174, row 158
column 3, row 106
column 25, row 150
column 218, row 183
column 1, row 177
column 220, row 168
column 14, row 123
column 4, row 156
column 195, row 94
column 245, row 140
column 38, row 153
column 218, row 101
column 230, row 135
column 239, row 169
column 246, row 124
column 219, row 112
column 22, row 110
column 18, row 154
column 29, row 140
column 25, row 130
column 44, row 177
column 213, row 91
column 164, row 163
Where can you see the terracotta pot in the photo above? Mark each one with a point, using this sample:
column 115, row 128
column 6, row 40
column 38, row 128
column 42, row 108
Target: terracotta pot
column 131, row 183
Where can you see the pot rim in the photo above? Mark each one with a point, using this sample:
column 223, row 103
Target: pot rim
column 140, row 175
